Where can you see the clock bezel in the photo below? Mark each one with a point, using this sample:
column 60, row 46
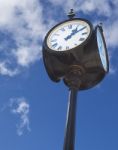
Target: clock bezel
column 46, row 47
column 106, row 53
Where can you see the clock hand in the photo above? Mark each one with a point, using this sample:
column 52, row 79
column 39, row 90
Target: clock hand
column 74, row 32
column 68, row 37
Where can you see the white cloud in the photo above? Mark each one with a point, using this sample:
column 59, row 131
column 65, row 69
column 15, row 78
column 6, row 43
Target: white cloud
column 113, row 70
column 27, row 55
column 101, row 7
column 21, row 108
column 111, row 32
column 5, row 70
column 24, row 21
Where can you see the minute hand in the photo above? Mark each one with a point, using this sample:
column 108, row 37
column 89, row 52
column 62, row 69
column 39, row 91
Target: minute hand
column 74, row 32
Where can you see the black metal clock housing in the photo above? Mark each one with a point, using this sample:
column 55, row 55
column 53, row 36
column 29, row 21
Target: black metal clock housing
column 74, row 46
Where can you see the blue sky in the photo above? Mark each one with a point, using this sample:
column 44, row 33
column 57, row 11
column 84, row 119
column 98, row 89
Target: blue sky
column 32, row 107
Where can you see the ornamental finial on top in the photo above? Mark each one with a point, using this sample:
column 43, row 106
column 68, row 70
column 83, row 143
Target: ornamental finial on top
column 71, row 14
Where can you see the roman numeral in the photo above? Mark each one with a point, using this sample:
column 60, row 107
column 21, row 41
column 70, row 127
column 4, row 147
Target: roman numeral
column 54, row 40
column 60, row 48
column 70, row 26
column 56, row 34
column 62, row 29
column 81, row 39
column 54, row 45
column 84, row 33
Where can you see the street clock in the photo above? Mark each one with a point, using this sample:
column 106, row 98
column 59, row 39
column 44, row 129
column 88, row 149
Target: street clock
column 74, row 51
column 76, row 47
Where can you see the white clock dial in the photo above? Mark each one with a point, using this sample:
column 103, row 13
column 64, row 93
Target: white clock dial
column 102, row 49
column 68, row 35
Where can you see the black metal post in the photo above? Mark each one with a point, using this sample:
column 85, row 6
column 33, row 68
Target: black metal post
column 69, row 140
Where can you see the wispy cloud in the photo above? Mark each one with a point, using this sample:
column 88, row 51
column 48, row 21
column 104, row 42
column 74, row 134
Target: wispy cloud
column 20, row 107
column 27, row 55
column 5, row 70
column 24, row 22
column 113, row 70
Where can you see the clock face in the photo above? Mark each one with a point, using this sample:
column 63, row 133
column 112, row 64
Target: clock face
column 68, row 35
column 102, row 49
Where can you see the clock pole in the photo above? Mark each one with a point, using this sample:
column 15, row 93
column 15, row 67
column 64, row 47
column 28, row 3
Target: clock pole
column 73, row 81
column 69, row 140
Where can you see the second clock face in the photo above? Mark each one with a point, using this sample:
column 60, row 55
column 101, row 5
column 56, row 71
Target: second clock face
column 68, row 35
column 102, row 49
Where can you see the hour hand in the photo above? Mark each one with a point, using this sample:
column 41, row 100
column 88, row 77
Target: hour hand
column 74, row 31
column 68, row 37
